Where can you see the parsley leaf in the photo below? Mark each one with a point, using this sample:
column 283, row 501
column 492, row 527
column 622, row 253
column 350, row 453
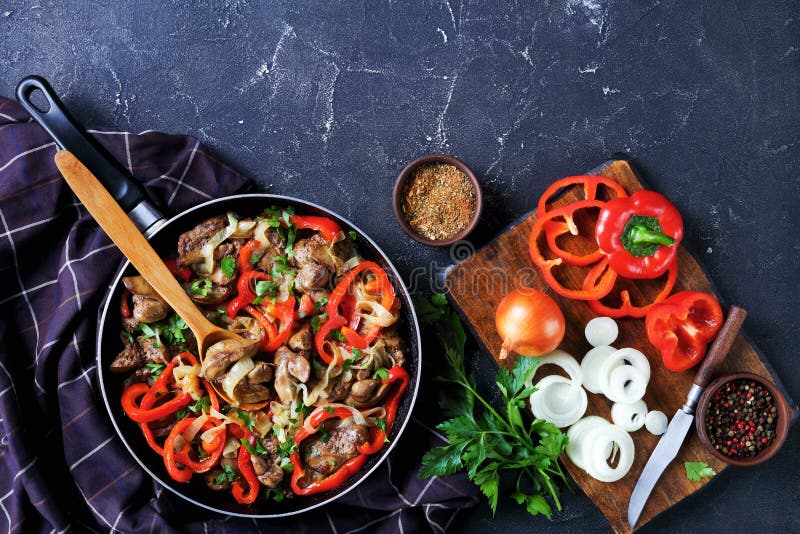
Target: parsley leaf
column 329, row 409
column 127, row 338
column 203, row 404
column 430, row 311
column 338, row 336
column 228, row 266
column 146, row 330
column 695, row 471
column 383, row 374
column 320, row 303
column 318, row 320
column 347, row 363
column 227, row 475
column 154, row 368
column 324, row 436
column 352, row 235
column 248, row 421
column 381, row 424
column 258, row 449
column 265, row 288
column 200, row 286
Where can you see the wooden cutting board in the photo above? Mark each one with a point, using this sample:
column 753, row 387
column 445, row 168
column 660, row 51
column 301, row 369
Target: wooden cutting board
column 477, row 284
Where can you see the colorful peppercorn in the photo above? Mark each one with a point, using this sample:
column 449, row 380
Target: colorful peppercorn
column 741, row 419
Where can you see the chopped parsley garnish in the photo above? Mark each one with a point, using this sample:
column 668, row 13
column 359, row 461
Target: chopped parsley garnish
column 201, row 405
column 180, row 414
column 347, row 363
column 320, row 303
column 381, row 424
column 127, row 338
column 277, row 494
column 383, row 374
column 286, row 465
column 246, row 419
column 173, row 332
column 265, row 288
column 154, row 368
column 146, row 330
column 258, row 449
column 317, row 320
column 324, row 436
column 291, row 235
column 254, row 257
column 200, row 286
column 221, row 311
column 286, row 448
column 352, row 235
column 227, row 475
column 316, row 365
column 338, row 336
column 228, row 266
column 280, row 265
column 356, row 353
column 329, row 409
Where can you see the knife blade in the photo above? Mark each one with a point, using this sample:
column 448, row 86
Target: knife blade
column 670, row 443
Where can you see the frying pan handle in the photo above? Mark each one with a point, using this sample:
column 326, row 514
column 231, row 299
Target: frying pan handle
column 69, row 135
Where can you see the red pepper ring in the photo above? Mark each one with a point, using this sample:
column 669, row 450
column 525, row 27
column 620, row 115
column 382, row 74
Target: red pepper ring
column 605, row 283
column 554, row 229
column 377, row 436
column 589, row 184
column 626, row 308
column 327, row 228
column 215, row 452
column 246, row 254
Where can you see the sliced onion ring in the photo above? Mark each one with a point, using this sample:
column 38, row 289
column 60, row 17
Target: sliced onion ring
column 626, row 384
column 601, row 331
column 563, row 360
column 235, row 375
column 656, row 422
column 599, row 440
column 576, row 445
column 634, row 357
column 629, row 416
column 558, row 400
column 591, row 365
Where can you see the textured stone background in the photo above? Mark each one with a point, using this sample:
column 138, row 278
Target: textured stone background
column 328, row 101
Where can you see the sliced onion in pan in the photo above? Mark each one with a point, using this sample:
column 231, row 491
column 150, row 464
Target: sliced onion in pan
column 601, row 331
column 596, row 456
column 558, row 400
column 235, row 375
column 626, row 384
column 576, row 445
column 563, row 360
column 656, row 422
column 591, row 366
column 629, row 416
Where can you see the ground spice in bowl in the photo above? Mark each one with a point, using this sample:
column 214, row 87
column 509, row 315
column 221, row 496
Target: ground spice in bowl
column 741, row 419
column 438, row 201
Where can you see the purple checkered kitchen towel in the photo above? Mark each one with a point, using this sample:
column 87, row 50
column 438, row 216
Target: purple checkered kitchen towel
column 62, row 466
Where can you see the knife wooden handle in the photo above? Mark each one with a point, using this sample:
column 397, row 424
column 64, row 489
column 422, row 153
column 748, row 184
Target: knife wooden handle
column 722, row 344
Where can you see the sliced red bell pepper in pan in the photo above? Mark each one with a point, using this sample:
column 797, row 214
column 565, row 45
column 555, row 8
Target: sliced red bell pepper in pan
column 626, row 308
column 604, row 283
column 327, row 228
column 640, row 234
column 681, row 327
column 249, row 495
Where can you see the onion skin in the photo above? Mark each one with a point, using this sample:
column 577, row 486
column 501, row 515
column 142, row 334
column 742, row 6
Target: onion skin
column 529, row 322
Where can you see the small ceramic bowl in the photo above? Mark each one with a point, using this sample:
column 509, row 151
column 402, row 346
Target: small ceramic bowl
column 781, row 429
column 408, row 172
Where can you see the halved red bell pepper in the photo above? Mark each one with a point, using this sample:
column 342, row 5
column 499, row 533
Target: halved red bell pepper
column 589, row 184
column 604, row 284
column 640, row 234
column 682, row 326
column 626, row 308
column 327, row 228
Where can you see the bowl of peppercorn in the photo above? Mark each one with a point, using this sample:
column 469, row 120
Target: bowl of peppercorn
column 437, row 200
column 742, row 419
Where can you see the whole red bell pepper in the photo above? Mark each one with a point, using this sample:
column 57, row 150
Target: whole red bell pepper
column 682, row 326
column 640, row 234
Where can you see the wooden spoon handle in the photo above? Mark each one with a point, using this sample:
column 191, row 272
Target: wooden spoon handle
column 129, row 239
column 722, row 344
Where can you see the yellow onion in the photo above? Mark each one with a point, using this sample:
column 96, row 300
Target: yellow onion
column 529, row 322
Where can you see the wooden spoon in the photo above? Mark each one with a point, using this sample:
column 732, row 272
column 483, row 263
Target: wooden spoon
column 115, row 222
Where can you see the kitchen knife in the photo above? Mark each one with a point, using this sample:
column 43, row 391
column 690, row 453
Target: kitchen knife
column 671, row 441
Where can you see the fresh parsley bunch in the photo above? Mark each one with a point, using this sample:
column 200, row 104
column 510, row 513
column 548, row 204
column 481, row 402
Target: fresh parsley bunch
column 483, row 440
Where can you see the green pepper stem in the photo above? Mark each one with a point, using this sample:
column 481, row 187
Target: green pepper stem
column 640, row 234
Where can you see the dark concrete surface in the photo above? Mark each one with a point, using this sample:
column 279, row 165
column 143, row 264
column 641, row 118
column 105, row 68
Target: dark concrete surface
column 328, row 101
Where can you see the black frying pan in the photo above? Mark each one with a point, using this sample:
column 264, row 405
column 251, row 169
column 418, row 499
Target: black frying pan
column 163, row 235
